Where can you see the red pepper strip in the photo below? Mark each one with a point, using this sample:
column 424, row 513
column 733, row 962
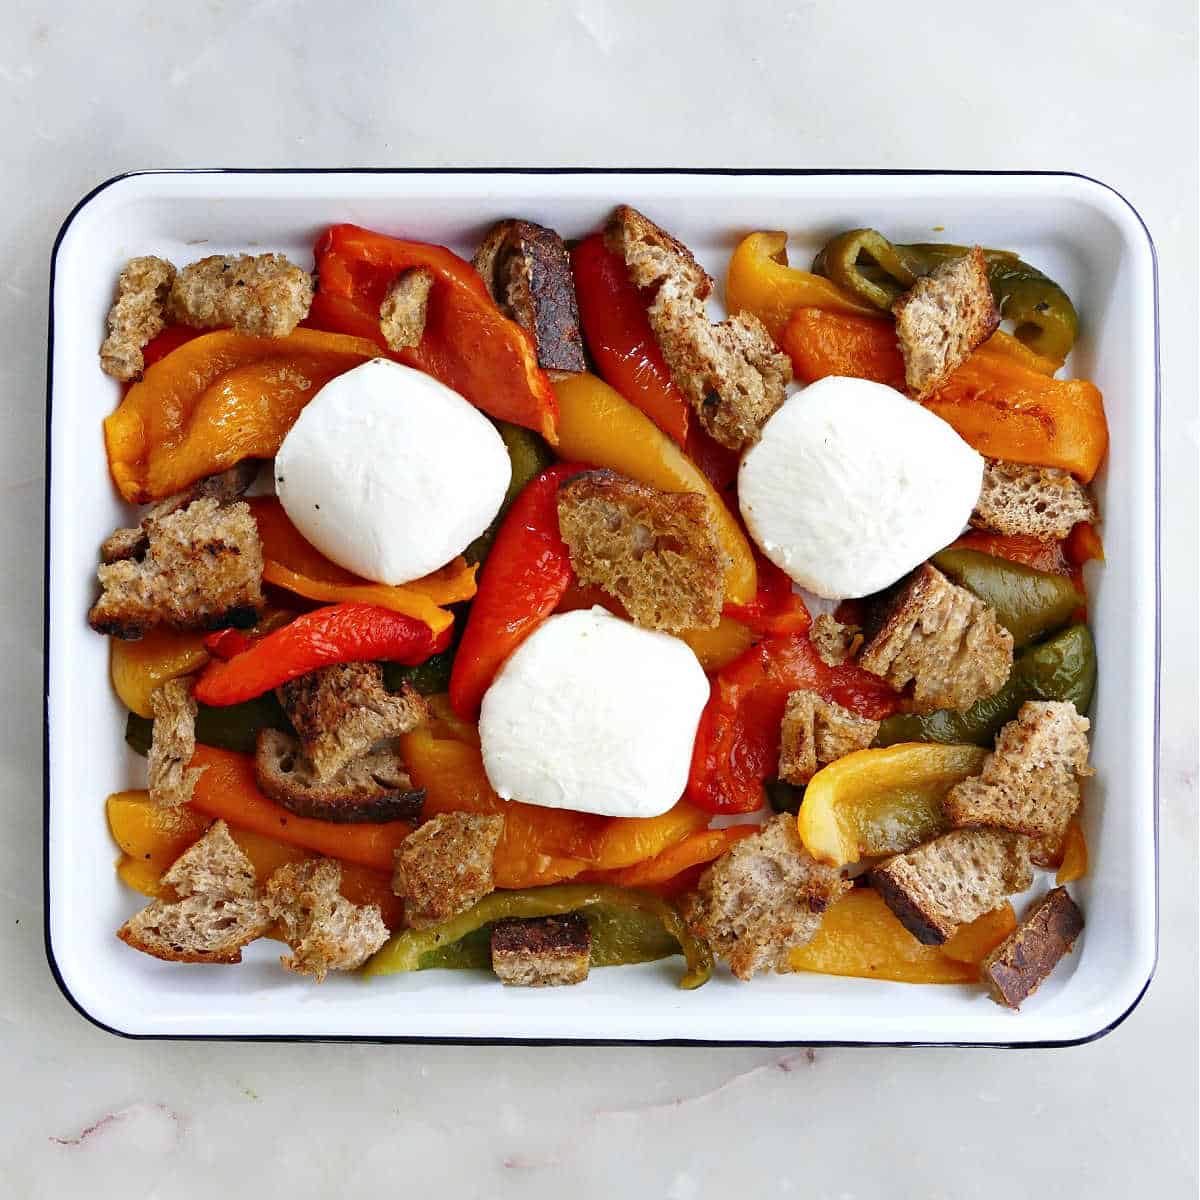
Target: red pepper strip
column 737, row 744
column 170, row 339
column 718, row 463
column 523, row 579
column 776, row 608
column 619, row 339
column 226, row 643
column 338, row 633
column 468, row 344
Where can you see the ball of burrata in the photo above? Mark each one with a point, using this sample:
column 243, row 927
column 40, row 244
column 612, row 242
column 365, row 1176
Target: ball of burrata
column 853, row 484
column 390, row 473
column 595, row 714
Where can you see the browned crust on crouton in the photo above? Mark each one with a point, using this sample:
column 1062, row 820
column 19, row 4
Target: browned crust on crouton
column 527, row 271
column 202, row 570
column 652, row 256
column 375, row 787
column 325, row 930
column 942, row 318
column 834, row 642
column 173, row 742
column 816, row 731
column 223, row 487
column 405, row 307
column 265, row 295
column 219, row 909
column 1018, row 966
column 952, row 880
column 445, row 866
column 542, row 951
column 762, row 898
column 943, row 640
column 1030, row 783
column 657, row 552
column 340, row 712
column 138, row 314
column 1024, row 500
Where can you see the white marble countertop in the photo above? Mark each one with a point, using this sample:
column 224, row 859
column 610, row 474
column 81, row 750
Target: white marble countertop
column 88, row 91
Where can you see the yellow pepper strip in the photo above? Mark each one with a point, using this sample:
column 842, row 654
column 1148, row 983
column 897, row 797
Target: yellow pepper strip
column 598, row 426
column 1011, row 347
column 293, row 563
column 760, row 281
column 137, row 668
column 1075, row 855
column 718, row 647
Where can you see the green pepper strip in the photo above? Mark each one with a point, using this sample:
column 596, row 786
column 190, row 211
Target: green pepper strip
column 1061, row 668
column 404, row 950
column 1028, row 602
column 866, row 264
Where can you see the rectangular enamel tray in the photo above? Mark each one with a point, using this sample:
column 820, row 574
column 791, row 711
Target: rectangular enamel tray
column 1079, row 231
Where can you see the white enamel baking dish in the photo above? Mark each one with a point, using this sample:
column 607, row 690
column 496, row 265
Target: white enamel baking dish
column 1081, row 232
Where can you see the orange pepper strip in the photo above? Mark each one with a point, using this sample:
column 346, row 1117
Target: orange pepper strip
column 1083, row 544
column 996, row 403
column 696, row 850
column 290, row 561
column 630, row 841
column 974, row 942
column 216, row 400
column 228, row 789
column 1075, row 855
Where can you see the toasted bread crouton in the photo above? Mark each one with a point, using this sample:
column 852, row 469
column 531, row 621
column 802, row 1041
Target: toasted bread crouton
column 375, row 787
column 404, row 308
column 732, row 373
column 816, row 731
column 542, row 951
column 527, row 272
column 1017, row 967
column 265, row 295
column 1030, row 784
column 325, row 930
column 652, row 256
column 202, row 570
column 445, row 866
column 219, row 909
column 763, row 897
column 138, row 314
column 341, row 711
column 1040, row 502
column 833, row 641
column 952, row 880
column 942, row 318
column 172, row 744
column 223, row 488
column 657, row 552
column 942, row 639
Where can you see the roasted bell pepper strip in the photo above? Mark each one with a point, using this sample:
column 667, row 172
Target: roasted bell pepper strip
column 619, row 339
column 777, row 608
column 339, row 633
column 626, row 842
column 137, row 668
column 1083, row 545
column 227, row 789
column 162, row 344
column 467, row 344
column 973, row 942
column 405, row 950
column 1019, row 548
column 996, row 404
column 226, row 643
column 1074, row 863
column 598, row 426
column 717, row 648
column 523, row 580
column 216, row 400
column 291, row 562
column 737, row 743
column 698, row 849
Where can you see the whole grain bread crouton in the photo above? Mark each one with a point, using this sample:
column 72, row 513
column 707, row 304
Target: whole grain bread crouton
column 653, row 257
column 219, row 909
column 1022, row 500
column 1046, row 935
column 763, row 897
column 542, row 951
column 816, row 731
column 834, row 642
column 527, row 272
column 340, row 712
column 952, row 880
column 445, row 866
column 942, row 318
column 138, row 314
column 173, row 742
column 657, row 552
column 325, row 931
column 264, row 295
column 202, row 569
column 1030, row 783
column 405, row 307
column 942, row 639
